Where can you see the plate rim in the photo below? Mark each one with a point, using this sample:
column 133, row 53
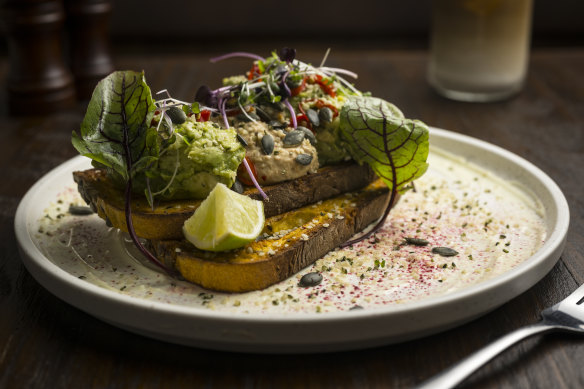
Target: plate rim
column 548, row 255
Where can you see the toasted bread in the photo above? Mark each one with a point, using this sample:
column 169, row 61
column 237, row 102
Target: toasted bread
column 290, row 242
column 166, row 219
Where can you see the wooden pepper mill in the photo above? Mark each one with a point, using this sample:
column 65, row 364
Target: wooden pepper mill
column 87, row 28
column 39, row 81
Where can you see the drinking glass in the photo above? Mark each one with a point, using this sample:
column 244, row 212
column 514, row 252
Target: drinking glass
column 479, row 49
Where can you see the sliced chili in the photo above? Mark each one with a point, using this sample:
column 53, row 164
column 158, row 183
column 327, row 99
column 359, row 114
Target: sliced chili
column 296, row 91
column 319, row 104
column 326, row 85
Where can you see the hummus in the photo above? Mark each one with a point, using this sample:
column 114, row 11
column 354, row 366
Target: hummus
column 283, row 162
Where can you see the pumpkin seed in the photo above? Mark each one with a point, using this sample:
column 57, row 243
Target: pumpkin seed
column 325, row 114
column 267, row 144
column 80, row 210
column 176, row 115
column 313, row 117
column 293, row 138
column 417, row 241
column 310, row 279
column 308, row 134
column 444, row 251
column 264, row 117
column 237, row 187
column 355, row 308
column 278, row 106
column 247, row 118
column 277, row 125
column 241, row 140
column 304, row 159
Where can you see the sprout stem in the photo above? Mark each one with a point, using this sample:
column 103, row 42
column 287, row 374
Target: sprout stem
column 253, row 179
column 292, row 113
column 236, row 54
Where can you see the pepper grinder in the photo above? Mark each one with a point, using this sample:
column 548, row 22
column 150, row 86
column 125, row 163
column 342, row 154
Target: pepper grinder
column 87, row 28
column 39, row 81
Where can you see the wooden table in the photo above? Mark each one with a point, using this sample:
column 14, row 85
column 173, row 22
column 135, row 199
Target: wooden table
column 44, row 342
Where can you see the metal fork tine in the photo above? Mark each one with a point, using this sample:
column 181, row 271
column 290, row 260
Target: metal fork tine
column 577, row 297
column 567, row 315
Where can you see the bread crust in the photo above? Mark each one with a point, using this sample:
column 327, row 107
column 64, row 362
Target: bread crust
column 165, row 221
column 294, row 240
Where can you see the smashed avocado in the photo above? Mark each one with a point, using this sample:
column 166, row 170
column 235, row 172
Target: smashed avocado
column 202, row 155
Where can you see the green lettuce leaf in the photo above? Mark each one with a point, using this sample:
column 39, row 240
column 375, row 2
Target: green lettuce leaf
column 115, row 131
column 378, row 134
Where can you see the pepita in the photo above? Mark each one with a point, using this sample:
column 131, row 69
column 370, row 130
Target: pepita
column 176, row 115
column 237, row 187
column 310, row 279
column 241, row 140
column 417, row 241
column 277, row 125
column 293, row 138
column 307, row 134
column 325, row 114
column 444, row 251
column 247, row 118
column 267, row 144
column 80, row 210
column 264, row 117
column 304, row 159
column 313, row 117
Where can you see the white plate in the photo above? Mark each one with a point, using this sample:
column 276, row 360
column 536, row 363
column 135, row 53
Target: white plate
column 307, row 332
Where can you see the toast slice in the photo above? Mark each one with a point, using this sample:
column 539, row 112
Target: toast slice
column 165, row 221
column 289, row 242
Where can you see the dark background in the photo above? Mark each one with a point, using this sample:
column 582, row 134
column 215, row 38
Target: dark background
column 46, row 343
column 390, row 23
column 191, row 25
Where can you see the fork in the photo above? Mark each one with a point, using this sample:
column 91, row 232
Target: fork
column 567, row 315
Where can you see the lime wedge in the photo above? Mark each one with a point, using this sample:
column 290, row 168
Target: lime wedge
column 225, row 220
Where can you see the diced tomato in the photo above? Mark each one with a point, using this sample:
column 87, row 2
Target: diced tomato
column 243, row 175
column 254, row 71
column 296, row 91
column 204, row 115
